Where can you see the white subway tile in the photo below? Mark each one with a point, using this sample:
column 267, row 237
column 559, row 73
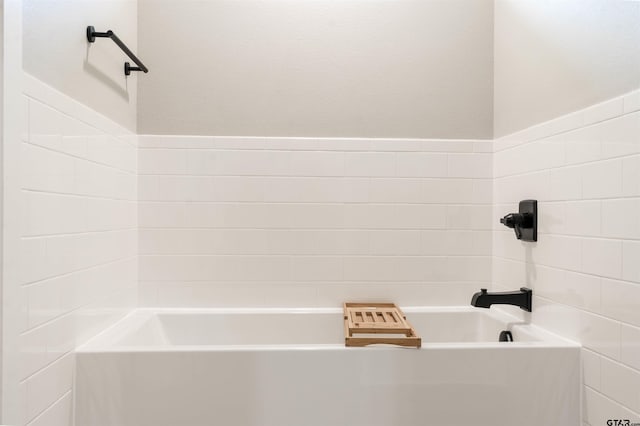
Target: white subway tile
column 268, row 163
column 621, row 218
column 294, row 189
column 582, row 218
column 203, row 241
column 445, row 191
column 62, row 333
column 174, row 141
column 538, row 155
column 506, row 245
column 158, row 214
column 392, row 269
column 394, row 242
column 169, row 294
column 596, row 333
column 316, row 216
column 539, row 131
column 310, row 242
column 631, row 261
column 452, row 145
column 395, row 145
column 632, row 102
column 430, row 217
column 621, row 136
column 316, row 268
column 401, row 190
column 602, row 179
column 508, row 274
column 45, row 126
column 630, row 350
column 77, row 145
column 483, row 146
column 46, row 170
column 443, row 242
column 59, row 414
column 565, row 184
column 50, row 299
column 412, row 164
column 209, row 268
column 508, row 141
column 621, row 384
column 24, row 118
column 598, row 409
column 462, row 268
column 583, row 145
column 316, row 164
column 274, row 241
column 33, row 351
column 570, row 288
column 551, row 218
column 602, row 257
column 482, row 191
column 620, row 301
column 245, row 294
column 147, row 294
column 218, row 215
column 558, row 251
column 163, row 161
column 47, row 214
column 204, row 162
column 49, row 385
column 631, row 176
column 604, row 111
column 456, row 242
column 512, row 189
column 470, row 165
column 591, row 371
column 477, row 217
column 239, row 188
column 404, row 294
column 183, row 188
column 567, row 122
column 355, row 242
column 369, row 164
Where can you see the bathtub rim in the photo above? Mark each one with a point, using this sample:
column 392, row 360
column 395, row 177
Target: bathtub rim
column 103, row 341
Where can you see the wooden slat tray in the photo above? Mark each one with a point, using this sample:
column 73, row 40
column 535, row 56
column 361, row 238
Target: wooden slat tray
column 364, row 324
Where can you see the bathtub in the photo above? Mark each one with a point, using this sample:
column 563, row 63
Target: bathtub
column 289, row 367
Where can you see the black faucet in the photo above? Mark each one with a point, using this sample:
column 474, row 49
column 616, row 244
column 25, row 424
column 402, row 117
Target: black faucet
column 521, row 298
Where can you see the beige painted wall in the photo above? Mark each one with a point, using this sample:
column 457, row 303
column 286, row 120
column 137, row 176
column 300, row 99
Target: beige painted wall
column 554, row 57
column 56, row 52
column 347, row 68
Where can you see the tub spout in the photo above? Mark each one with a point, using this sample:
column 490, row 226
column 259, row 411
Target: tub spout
column 521, row 298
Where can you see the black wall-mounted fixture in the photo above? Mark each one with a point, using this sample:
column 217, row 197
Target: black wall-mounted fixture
column 91, row 37
column 525, row 222
column 505, row 336
column 522, row 298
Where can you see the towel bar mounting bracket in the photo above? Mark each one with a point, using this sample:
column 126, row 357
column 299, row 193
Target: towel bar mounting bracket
column 92, row 34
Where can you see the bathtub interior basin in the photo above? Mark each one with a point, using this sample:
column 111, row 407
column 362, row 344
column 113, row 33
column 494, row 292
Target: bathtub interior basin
column 175, row 328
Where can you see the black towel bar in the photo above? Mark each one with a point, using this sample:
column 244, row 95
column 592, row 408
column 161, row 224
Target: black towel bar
column 91, row 37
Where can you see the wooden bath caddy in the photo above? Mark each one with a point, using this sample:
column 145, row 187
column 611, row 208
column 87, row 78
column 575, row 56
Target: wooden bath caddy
column 364, row 322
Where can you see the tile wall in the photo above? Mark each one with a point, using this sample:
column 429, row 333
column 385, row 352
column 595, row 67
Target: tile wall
column 222, row 221
column 584, row 168
column 78, row 241
column 312, row 222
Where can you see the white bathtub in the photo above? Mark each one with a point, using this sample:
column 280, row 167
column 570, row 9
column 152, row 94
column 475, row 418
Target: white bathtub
column 288, row 367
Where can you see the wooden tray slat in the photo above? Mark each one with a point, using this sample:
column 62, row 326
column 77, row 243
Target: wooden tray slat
column 377, row 318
